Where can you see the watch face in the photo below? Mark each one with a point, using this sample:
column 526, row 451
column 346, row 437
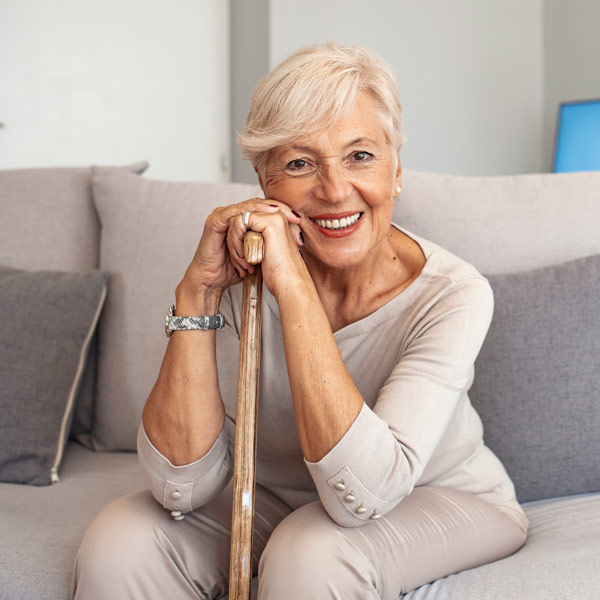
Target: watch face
column 170, row 313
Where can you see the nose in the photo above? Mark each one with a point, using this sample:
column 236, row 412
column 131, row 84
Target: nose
column 334, row 184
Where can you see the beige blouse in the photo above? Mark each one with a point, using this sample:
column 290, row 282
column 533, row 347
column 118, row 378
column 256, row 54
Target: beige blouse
column 412, row 361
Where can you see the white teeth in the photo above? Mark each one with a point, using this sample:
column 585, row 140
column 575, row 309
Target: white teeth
column 338, row 223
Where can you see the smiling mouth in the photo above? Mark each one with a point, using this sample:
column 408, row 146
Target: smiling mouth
column 337, row 224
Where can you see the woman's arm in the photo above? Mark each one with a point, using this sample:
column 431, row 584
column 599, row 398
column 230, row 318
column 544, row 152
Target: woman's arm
column 184, row 413
column 421, row 419
column 326, row 400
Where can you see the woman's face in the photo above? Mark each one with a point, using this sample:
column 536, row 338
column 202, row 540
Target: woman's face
column 342, row 181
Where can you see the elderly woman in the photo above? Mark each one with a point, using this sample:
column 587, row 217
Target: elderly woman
column 372, row 474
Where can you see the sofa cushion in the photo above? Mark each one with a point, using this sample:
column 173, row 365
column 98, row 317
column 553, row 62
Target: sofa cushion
column 48, row 320
column 49, row 222
column 559, row 560
column 42, row 527
column 150, row 231
column 537, row 381
column 508, row 223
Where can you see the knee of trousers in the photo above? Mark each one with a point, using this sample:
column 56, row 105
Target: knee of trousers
column 123, row 543
column 310, row 556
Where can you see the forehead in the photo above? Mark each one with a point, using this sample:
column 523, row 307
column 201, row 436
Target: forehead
column 359, row 123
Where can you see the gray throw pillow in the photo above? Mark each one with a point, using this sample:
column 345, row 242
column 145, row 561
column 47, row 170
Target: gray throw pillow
column 48, row 321
column 537, row 379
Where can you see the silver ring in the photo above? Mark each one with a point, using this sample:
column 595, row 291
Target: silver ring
column 246, row 219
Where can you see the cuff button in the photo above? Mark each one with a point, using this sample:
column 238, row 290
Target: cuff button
column 176, row 495
column 361, row 509
column 176, row 514
column 375, row 516
column 350, row 497
column 340, row 486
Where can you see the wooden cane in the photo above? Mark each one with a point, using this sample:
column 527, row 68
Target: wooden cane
column 244, row 476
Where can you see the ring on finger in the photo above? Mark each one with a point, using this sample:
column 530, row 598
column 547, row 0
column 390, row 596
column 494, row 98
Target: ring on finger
column 246, row 219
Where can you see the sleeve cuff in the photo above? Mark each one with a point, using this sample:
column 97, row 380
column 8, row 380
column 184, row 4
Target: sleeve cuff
column 184, row 488
column 351, row 477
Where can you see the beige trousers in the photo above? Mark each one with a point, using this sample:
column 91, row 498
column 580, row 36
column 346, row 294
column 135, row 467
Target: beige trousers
column 135, row 550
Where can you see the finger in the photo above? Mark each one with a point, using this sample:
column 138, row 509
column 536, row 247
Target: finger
column 235, row 251
column 292, row 215
column 296, row 232
column 220, row 218
column 235, row 244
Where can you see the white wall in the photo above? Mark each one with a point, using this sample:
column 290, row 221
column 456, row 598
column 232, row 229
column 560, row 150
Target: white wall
column 116, row 81
column 470, row 73
column 572, row 58
column 480, row 80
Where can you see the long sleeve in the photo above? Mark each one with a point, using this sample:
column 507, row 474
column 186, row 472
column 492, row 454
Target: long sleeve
column 187, row 487
column 416, row 420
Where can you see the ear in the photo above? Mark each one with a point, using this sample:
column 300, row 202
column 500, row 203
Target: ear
column 399, row 173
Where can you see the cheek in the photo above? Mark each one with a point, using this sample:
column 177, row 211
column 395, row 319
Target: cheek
column 287, row 190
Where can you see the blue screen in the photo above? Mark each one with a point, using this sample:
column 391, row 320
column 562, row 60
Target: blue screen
column 578, row 137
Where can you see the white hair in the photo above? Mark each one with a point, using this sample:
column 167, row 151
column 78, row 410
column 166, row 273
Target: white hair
column 310, row 90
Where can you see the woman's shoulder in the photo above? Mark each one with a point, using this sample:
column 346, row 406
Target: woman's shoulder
column 447, row 282
column 441, row 263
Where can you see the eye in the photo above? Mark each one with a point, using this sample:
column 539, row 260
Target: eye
column 296, row 165
column 361, row 156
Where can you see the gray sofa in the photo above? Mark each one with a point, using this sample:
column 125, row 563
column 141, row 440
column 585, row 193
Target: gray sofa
column 537, row 384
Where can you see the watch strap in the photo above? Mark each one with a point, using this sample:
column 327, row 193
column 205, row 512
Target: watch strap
column 199, row 323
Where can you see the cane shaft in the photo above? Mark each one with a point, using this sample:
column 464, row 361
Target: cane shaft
column 242, row 525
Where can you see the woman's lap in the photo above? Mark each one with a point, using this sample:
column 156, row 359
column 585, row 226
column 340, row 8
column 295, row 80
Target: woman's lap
column 432, row 533
column 135, row 549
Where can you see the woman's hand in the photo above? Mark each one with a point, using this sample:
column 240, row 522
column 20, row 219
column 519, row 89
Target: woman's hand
column 280, row 227
column 213, row 267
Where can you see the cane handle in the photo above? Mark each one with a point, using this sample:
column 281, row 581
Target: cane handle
column 253, row 247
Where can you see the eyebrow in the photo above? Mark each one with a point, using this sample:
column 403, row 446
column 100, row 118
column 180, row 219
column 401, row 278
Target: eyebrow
column 358, row 140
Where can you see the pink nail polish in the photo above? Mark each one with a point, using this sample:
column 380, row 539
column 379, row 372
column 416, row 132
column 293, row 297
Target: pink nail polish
column 296, row 214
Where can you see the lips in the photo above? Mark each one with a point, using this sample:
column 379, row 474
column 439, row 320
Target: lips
column 337, row 223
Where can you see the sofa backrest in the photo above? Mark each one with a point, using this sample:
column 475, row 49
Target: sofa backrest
column 505, row 224
column 49, row 222
column 537, row 376
column 150, row 229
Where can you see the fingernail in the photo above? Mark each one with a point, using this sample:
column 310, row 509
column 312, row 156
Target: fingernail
column 274, row 205
column 296, row 214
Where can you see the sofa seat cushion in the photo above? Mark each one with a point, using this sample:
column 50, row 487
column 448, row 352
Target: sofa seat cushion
column 41, row 527
column 559, row 560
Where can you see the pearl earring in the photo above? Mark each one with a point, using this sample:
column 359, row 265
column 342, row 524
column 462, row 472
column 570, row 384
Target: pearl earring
column 398, row 189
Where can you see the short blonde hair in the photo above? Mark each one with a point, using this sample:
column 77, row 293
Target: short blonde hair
column 310, row 90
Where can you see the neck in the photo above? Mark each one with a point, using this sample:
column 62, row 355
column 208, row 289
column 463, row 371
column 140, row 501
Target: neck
column 352, row 293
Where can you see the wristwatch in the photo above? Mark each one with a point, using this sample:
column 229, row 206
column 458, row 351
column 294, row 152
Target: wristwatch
column 201, row 323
